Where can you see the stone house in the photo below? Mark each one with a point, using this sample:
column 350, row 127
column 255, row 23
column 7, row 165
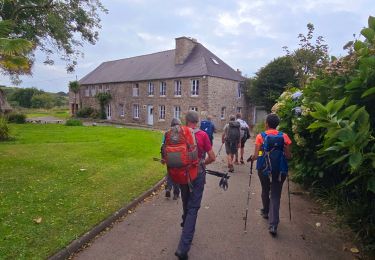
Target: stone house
column 151, row 89
column 4, row 105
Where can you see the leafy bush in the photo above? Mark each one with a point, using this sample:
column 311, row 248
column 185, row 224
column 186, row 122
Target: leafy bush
column 334, row 146
column 17, row 118
column 73, row 122
column 4, row 129
column 87, row 112
column 259, row 127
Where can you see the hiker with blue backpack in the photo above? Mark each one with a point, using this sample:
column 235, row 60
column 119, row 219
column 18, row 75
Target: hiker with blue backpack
column 272, row 149
column 209, row 127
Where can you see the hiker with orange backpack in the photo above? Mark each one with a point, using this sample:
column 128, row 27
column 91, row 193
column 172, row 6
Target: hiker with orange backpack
column 272, row 149
column 183, row 153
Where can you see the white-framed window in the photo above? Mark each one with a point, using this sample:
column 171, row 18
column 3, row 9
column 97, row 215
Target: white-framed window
column 136, row 90
column 177, row 112
column 92, row 91
column 194, row 87
column 87, row 91
column 135, row 111
column 162, row 112
column 150, row 89
column 193, row 108
column 107, row 88
column 177, row 88
column 121, row 110
column 223, row 112
column 239, row 110
column 239, row 90
column 163, row 89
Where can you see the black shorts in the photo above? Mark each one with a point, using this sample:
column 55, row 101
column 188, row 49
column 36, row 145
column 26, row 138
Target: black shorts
column 231, row 148
column 243, row 141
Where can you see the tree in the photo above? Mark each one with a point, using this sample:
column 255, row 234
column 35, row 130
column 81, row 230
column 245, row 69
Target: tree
column 74, row 87
column 14, row 52
column 103, row 99
column 23, row 96
column 268, row 84
column 53, row 26
column 309, row 58
column 43, row 100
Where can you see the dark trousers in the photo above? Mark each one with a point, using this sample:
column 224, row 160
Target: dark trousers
column 271, row 194
column 191, row 202
column 171, row 184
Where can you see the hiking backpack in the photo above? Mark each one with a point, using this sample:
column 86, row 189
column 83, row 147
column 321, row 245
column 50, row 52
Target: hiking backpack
column 233, row 132
column 272, row 161
column 180, row 153
column 208, row 127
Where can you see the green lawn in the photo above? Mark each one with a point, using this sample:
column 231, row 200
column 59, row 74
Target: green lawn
column 40, row 177
column 61, row 113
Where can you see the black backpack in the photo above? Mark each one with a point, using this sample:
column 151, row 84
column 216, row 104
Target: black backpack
column 234, row 132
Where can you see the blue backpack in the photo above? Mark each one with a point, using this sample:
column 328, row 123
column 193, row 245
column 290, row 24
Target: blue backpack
column 272, row 162
column 208, row 127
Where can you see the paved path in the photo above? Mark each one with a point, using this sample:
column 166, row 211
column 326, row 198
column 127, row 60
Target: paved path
column 153, row 230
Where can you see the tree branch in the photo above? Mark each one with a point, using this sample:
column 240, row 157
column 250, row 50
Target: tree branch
column 20, row 9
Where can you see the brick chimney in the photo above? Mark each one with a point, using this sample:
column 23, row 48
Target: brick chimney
column 184, row 47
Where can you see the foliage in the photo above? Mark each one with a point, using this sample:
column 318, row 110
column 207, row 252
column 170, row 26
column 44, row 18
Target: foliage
column 259, row 127
column 73, row 122
column 14, row 51
column 54, row 26
column 103, row 98
column 23, row 96
column 270, row 82
column 41, row 175
column 87, row 112
column 309, row 58
column 4, row 129
column 43, row 100
column 17, row 118
column 334, row 147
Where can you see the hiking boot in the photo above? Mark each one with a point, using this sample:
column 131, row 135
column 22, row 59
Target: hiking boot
column 241, row 161
column 273, row 230
column 263, row 214
column 167, row 193
column 231, row 168
column 175, row 196
column 181, row 256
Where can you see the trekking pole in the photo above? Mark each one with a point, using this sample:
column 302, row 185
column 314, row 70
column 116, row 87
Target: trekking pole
column 248, row 195
column 290, row 211
column 218, row 153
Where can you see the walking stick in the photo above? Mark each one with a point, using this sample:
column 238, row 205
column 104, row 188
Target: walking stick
column 218, row 153
column 248, row 195
column 290, row 211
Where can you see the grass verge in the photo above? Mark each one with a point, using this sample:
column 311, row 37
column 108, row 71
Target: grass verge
column 56, row 182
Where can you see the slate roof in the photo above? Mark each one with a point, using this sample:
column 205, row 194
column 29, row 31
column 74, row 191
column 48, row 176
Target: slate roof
column 161, row 65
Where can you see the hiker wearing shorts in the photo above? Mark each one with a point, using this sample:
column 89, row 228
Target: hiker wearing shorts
column 271, row 183
column 170, row 184
column 191, row 200
column 244, row 135
column 231, row 138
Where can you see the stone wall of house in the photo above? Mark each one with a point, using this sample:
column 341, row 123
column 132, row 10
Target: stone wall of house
column 223, row 93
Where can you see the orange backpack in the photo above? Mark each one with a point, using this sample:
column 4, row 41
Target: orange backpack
column 180, row 153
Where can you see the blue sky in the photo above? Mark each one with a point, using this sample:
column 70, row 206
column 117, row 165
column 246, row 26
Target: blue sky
column 245, row 34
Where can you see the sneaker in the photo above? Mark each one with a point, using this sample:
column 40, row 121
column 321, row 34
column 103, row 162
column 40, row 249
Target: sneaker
column 231, row 168
column 241, row 161
column 273, row 230
column 167, row 193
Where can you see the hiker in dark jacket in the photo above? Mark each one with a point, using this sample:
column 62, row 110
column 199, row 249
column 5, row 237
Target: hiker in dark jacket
column 191, row 201
column 209, row 127
column 231, row 138
column 271, row 183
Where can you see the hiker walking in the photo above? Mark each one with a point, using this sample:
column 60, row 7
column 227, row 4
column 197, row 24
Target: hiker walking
column 272, row 149
column 231, row 138
column 184, row 151
column 209, row 127
column 170, row 184
column 244, row 135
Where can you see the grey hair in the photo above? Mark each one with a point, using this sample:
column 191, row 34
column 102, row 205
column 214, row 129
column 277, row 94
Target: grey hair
column 232, row 118
column 192, row 117
column 175, row 121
